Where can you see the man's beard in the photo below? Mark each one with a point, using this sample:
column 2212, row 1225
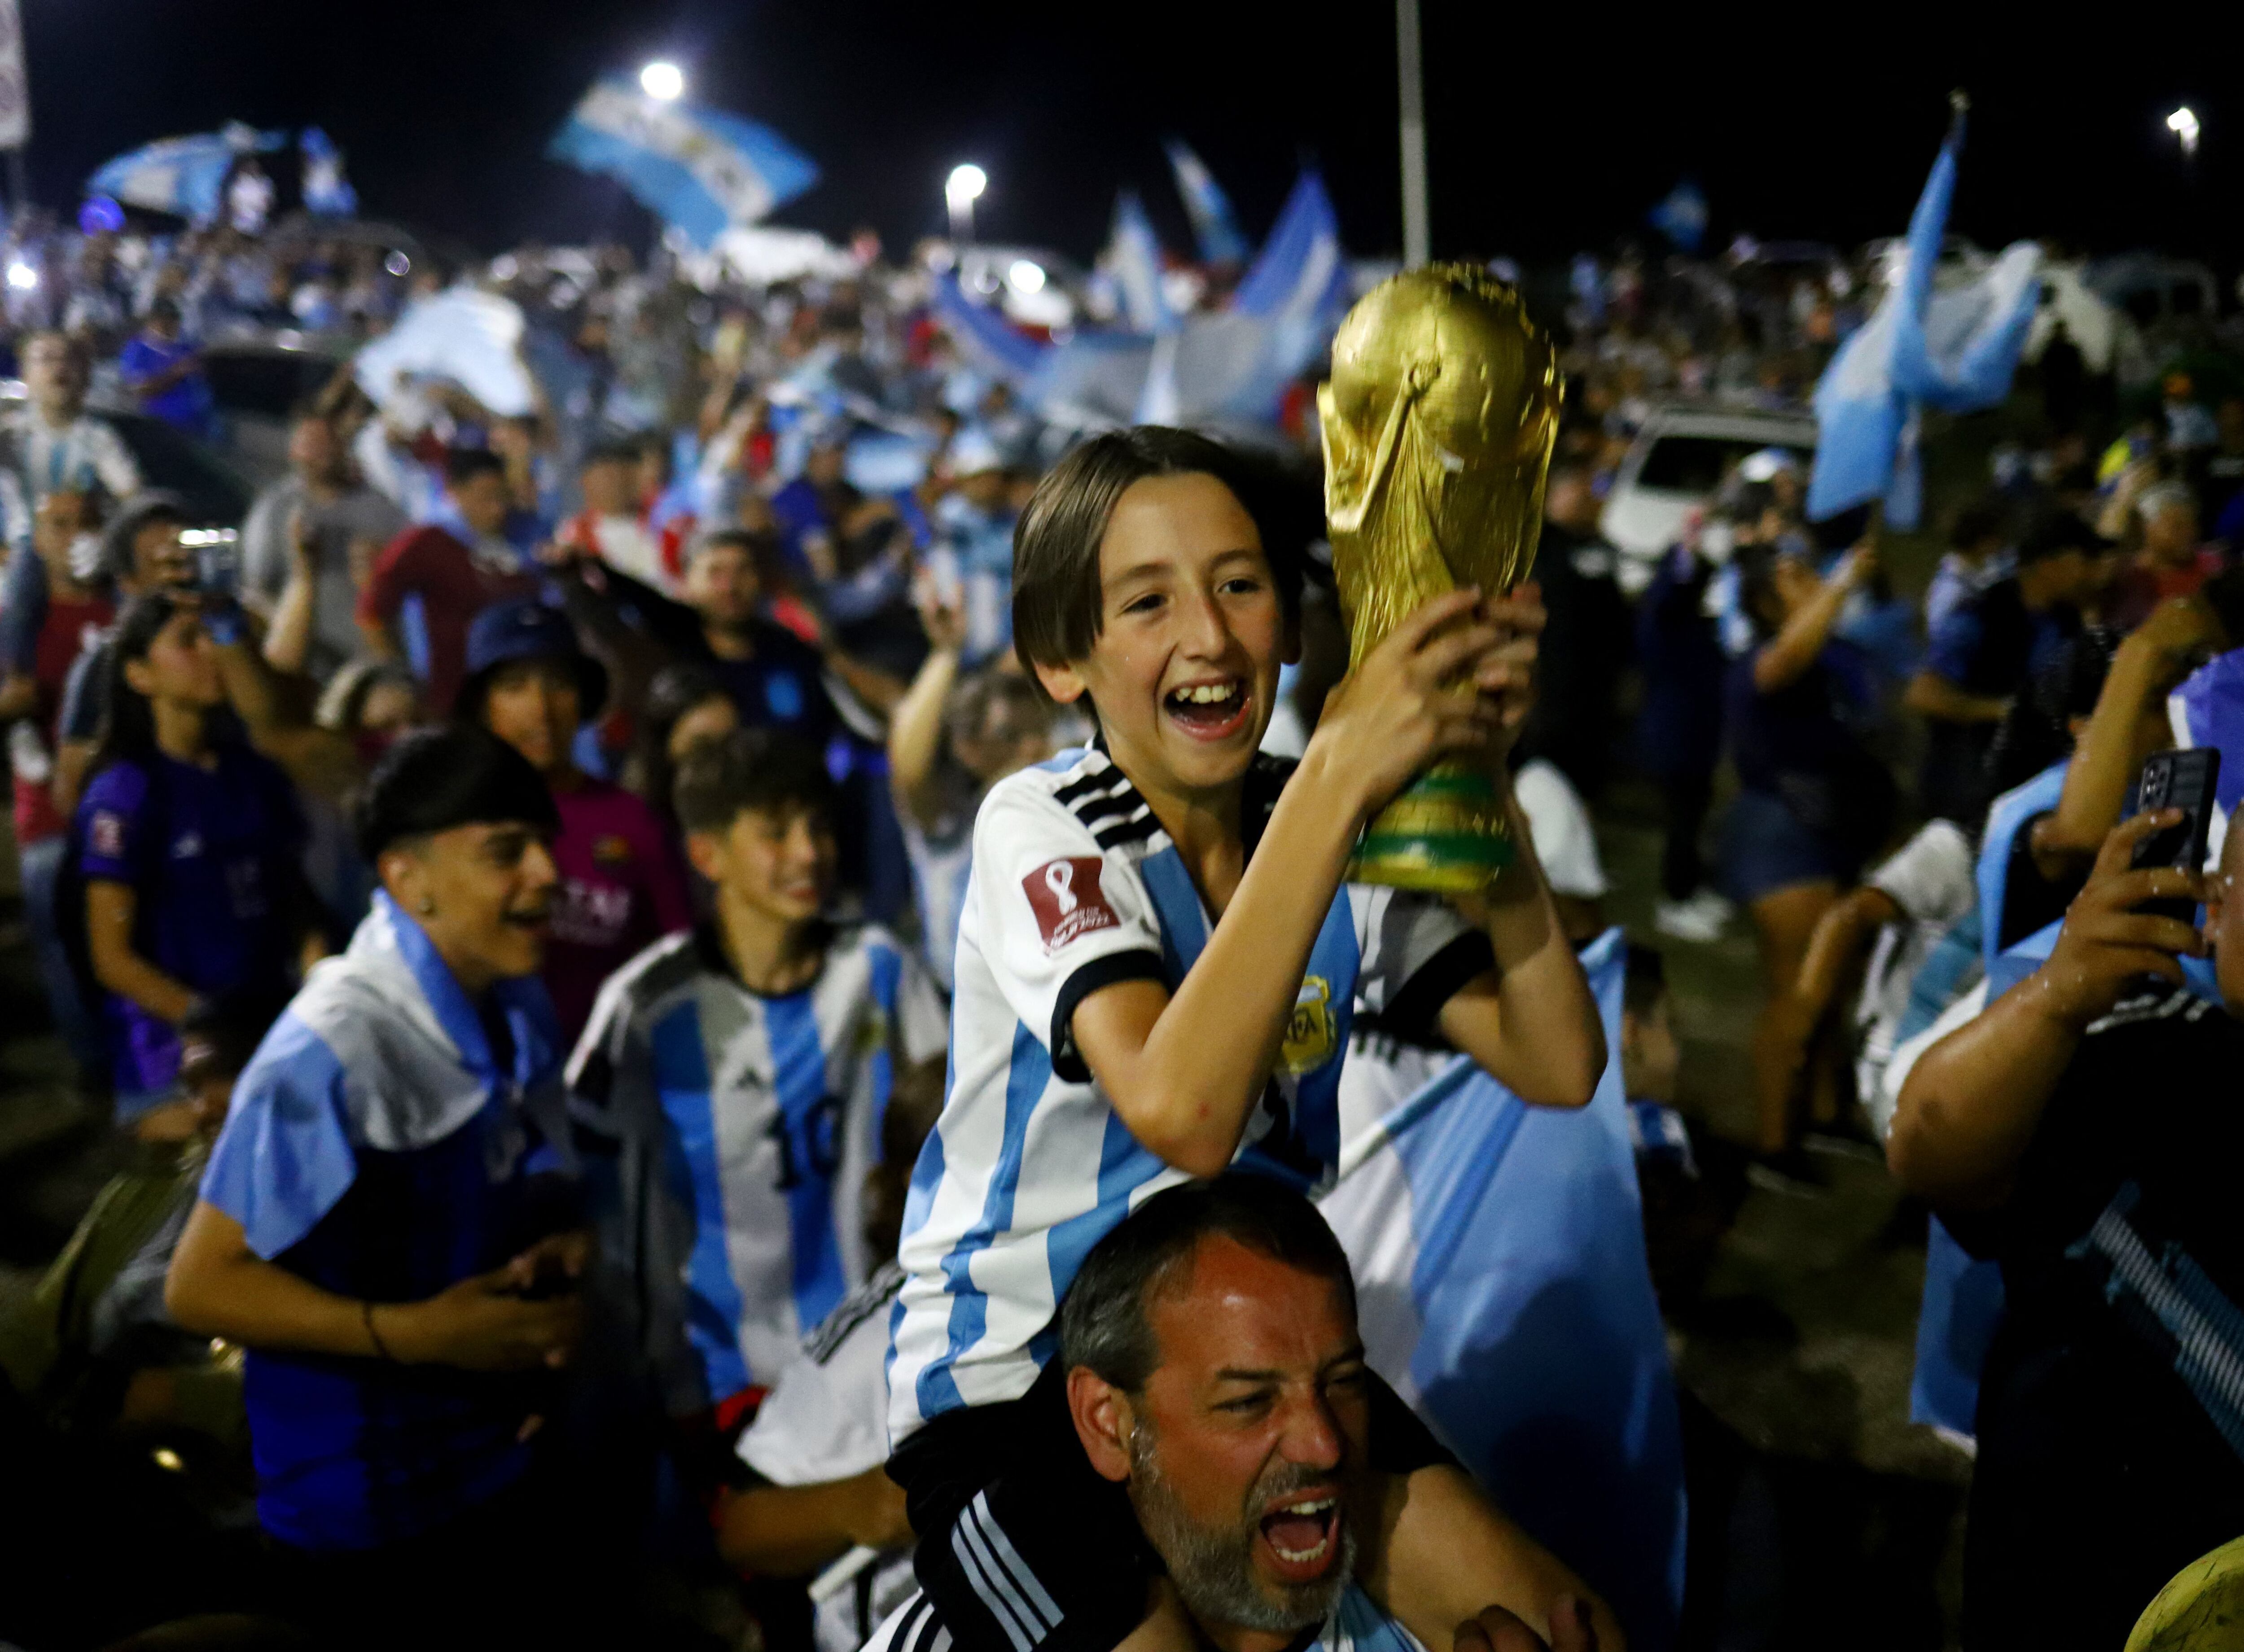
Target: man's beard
column 1213, row 1566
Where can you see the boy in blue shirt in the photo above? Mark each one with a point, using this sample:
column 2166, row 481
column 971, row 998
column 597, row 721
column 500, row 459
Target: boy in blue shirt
column 372, row 1228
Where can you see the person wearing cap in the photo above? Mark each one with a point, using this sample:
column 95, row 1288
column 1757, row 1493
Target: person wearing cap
column 621, row 886
column 971, row 564
column 388, row 1226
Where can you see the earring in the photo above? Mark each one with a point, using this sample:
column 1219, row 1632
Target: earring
column 428, row 907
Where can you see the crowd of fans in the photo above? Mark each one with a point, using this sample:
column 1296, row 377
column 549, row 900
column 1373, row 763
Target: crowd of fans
column 623, row 762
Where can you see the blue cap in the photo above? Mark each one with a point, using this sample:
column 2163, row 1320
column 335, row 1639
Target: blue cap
column 524, row 628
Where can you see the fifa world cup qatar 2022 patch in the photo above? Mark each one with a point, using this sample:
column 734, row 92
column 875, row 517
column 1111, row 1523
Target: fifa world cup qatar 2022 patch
column 1066, row 898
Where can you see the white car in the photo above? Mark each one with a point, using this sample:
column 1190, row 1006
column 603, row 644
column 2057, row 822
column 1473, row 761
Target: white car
column 1673, row 467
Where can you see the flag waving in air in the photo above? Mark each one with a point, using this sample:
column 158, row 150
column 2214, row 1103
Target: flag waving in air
column 699, row 170
column 1953, row 348
column 1215, row 227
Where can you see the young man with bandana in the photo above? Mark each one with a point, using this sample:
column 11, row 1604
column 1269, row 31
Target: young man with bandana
column 387, row 1227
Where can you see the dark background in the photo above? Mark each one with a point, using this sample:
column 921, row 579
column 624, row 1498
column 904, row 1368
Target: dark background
column 1552, row 128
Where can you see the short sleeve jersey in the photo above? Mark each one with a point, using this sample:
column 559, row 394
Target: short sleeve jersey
column 739, row 1129
column 209, row 855
column 1076, row 887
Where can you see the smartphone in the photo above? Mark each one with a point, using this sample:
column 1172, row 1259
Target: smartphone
column 2181, row 780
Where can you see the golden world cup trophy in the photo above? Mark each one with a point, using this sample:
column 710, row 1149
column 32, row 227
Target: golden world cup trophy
column 1438, row 425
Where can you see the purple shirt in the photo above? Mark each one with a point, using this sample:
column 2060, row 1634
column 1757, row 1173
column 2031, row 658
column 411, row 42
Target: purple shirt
column 621, row 888
column 211, row 856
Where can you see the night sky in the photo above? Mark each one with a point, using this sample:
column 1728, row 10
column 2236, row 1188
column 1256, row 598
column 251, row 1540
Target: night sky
column 1553, row 127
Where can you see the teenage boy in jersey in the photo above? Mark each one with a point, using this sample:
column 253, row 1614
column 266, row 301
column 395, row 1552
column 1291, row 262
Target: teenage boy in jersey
column 375, row 1227
column 739, row 1073
column 1222, row 1428
column 1157, row 971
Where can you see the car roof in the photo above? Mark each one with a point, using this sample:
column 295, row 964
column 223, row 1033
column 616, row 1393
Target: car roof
column 1731, row 423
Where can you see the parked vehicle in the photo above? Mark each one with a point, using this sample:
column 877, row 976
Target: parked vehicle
column 1673, row 467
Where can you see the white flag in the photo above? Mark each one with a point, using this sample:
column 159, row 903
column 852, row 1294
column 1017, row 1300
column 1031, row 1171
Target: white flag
column 15, row 88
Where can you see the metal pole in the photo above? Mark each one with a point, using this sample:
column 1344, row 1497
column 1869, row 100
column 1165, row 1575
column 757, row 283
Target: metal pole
column 1418, row 229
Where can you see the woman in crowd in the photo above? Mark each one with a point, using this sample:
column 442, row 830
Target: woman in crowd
column 621, row 886
column 188, row 846
column 1812, row 805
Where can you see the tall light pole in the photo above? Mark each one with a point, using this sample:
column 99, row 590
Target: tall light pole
column 1417, row 226
column 960, row 191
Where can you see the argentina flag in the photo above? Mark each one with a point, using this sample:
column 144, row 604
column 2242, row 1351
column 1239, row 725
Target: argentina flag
column 1952, row 347
column 1504, row 1292
column 186, row 176
column 327, row 193
column 1215, row 227
column 699, row 170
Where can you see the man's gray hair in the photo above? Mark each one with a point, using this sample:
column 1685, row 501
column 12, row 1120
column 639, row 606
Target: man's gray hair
column 1102, row 1323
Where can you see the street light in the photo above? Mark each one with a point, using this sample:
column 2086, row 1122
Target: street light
column 960, row 191
column 21, row 276
column 664, row 82
column 2183, row 125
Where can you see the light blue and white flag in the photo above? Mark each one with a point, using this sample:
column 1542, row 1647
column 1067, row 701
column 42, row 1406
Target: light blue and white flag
column 1133, row 260
column 327, row 193
column 185, row 175
column 1215, row 227
column 1500, row 1263
column 699, row 170
column 1682, row 216
column 1953, row 348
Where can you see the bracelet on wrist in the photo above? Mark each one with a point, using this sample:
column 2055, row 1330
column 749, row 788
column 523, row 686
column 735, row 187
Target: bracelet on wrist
column 381, row 1349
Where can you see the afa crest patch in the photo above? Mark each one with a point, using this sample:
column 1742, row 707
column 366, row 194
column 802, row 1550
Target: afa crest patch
column 614, row 849
column 1312, row 1034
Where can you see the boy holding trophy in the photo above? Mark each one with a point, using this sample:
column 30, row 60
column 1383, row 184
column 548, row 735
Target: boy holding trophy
column 1162, row 949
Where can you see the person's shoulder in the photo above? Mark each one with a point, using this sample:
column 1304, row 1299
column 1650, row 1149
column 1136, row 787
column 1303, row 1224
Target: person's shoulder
column 644, row 983
column 1079, row 791
column 120, row 787
column 869, row 1302
column 776, row 644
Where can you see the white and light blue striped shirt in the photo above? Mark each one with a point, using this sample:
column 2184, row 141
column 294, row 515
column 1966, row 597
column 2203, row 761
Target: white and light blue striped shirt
column 740, row 1129
column 1076, row 887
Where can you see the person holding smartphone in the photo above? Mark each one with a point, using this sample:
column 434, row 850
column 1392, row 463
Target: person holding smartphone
column 2084, row 1130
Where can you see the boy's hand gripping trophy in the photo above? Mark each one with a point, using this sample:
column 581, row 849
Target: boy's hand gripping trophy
column 1438, row 426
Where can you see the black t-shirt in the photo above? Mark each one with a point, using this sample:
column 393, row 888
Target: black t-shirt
column 2109, row 1458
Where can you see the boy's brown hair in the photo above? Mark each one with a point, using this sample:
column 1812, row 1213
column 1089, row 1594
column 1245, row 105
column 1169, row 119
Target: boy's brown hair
column 1056, row 612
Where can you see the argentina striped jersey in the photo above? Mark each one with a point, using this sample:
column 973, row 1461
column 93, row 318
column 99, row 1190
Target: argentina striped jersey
column 1076, row 887
column 739, row 1130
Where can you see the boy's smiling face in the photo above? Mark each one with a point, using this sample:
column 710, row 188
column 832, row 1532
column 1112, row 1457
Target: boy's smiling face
column 1185, row 671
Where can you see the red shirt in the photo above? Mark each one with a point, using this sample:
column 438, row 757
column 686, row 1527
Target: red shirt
column 621, row 888
column 454, row 584
column 62, row 634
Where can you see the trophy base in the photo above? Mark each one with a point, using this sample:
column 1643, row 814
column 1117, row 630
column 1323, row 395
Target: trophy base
column 1448, row 835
